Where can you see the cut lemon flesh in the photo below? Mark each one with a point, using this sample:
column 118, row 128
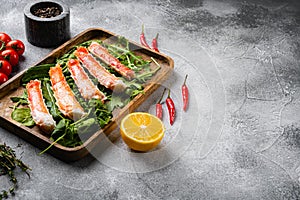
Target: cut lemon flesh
column 141, row 131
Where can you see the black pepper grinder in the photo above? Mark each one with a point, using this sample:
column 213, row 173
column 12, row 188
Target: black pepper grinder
column 47, row 23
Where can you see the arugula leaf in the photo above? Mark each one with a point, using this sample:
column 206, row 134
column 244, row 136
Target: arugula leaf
column 37, row 72
column 59, row 131
column 85, row 128
column 87, row 43
column 116, row 102
column 101, row 111
column 64, row 135
column 67, row 132
column 49, row 99
column 21, row 100
column 23, row 116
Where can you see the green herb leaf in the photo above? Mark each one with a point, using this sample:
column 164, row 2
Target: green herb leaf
column 116, row 102
column 23, row 116
column 60, row 128
column 50, row 101
column 21, row 100
column 37, row 72
column 101, row 111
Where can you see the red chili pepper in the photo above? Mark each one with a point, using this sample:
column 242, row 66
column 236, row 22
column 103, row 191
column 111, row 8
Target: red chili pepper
column 154, row 43
column 143, row 38
column 171, row 108
column 185, row 94
column 159, row 111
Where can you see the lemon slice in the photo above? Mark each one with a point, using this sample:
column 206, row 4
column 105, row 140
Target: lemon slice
column 142, row 131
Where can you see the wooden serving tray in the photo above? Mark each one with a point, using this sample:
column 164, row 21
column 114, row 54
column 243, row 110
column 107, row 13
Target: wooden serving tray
column 36, row 137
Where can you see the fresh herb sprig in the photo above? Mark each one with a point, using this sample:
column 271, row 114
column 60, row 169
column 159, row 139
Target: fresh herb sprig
column 8, row 163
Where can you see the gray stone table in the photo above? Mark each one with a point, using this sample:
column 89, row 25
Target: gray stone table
column 240, row 138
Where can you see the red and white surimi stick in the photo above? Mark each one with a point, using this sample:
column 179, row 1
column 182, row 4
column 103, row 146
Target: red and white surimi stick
column 39, row 111
column 85, row 86
column 105, row 78
column 102, row 53
column 65, row 98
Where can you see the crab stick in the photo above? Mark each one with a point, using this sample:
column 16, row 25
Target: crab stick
column 65, row 98
column 39, row 111
column 105, row 78
column 85, row 86
column 102, row 53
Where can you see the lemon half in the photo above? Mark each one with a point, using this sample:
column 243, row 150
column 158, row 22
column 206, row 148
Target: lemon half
column 142, row 131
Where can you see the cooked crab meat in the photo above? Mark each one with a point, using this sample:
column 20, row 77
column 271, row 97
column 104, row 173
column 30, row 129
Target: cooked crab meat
column 105, row 78
column 39, row 111
column 65, row 98
column 102, row 53
column 85, row 86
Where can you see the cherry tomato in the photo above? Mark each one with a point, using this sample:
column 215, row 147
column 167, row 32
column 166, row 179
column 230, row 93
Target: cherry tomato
column 4, row 38
column 11, row 56
column 5, row 67
column 17, row 45
column 3, row 78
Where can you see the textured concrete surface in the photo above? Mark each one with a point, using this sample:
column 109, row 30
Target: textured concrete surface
column 247, row 53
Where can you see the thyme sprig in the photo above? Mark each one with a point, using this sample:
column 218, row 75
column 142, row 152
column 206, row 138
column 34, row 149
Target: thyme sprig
column 8, row 163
